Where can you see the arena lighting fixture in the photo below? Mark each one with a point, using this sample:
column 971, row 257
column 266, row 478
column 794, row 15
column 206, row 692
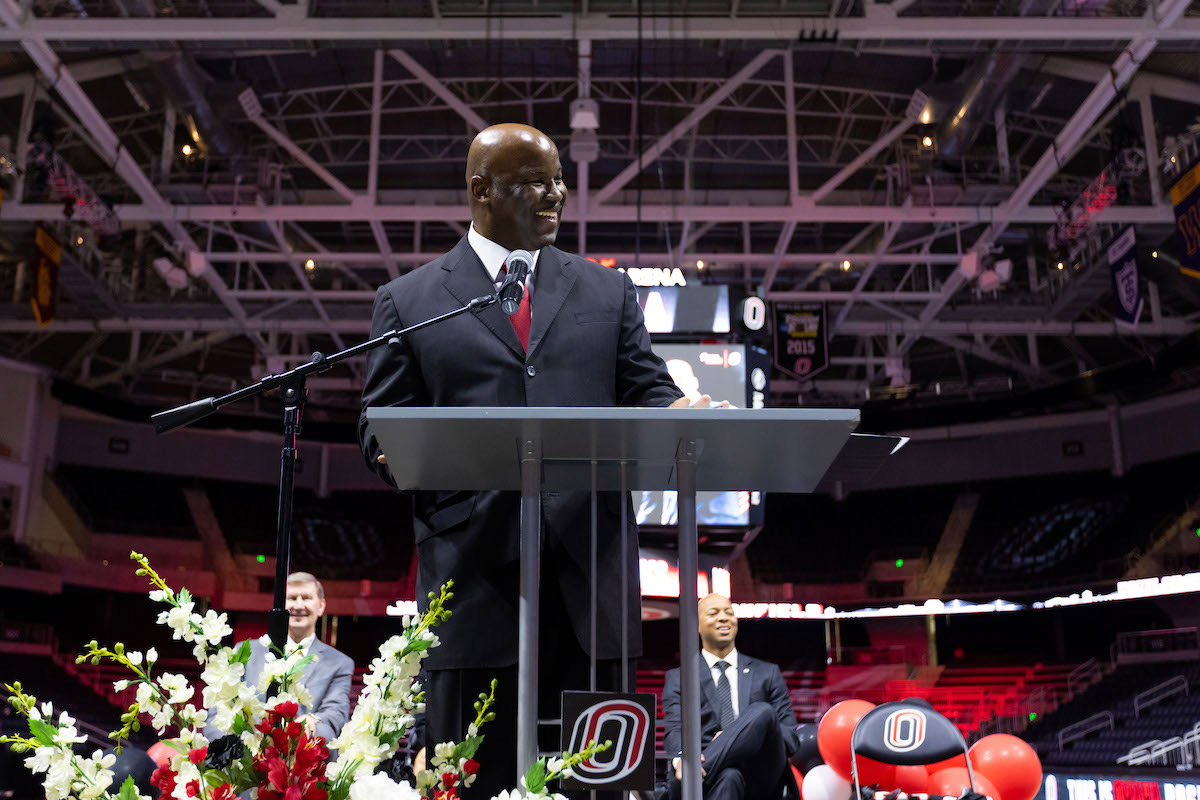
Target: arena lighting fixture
column 310, row 265
column 845, row 266
column 926, row 117
column 1059, row 265
column 1154, row 254
column 927, row 141
column 187, row 149
column 699, row 263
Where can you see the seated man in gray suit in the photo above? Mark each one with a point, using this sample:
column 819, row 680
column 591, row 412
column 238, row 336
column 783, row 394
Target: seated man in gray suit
column 328, row 677
column 747, row 727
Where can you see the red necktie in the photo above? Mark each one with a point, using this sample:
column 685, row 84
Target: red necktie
column 522, row 320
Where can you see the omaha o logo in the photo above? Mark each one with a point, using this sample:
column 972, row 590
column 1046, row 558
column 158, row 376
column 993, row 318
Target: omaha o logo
column 627, row 724
column 904, row 730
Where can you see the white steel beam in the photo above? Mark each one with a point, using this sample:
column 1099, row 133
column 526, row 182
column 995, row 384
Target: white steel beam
column 438, row 88
column 858, row 163
column 458, row 212
column 376, row 114
column 598, row 27
column 304, row 158
column 698, row 113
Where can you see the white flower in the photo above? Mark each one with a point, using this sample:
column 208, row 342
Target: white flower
column 444, row 750
column 120, row 686
column 151, row 656
column 509, row 794
column 554, row 765
column 381, row 787
column 134, row 657
column 176, row 688
column 158, row 595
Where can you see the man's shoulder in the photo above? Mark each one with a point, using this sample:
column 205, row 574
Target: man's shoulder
column 331, row 653
column 428, row 272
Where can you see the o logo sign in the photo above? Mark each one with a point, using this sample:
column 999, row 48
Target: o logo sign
column 625, row 723
column 904, row 730
column 754, row 313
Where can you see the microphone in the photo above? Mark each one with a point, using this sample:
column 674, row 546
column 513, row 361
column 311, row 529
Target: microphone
column 513, row 289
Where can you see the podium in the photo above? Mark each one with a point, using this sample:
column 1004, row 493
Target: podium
column 535, row 449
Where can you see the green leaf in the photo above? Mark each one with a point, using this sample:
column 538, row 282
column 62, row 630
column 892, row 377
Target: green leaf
column 535, row 776
column 43, row 732
column 240, row 725
column 129, row 790
column 243, row 653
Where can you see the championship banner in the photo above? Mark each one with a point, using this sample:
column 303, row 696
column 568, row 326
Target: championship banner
column 1126, row 288
column 801, row 339
column 44, row 297
column 1185, row 196
column 627, row 720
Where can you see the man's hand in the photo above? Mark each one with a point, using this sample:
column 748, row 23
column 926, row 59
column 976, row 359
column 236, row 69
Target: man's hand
column 419, row 759
column 382, row 459
column 703, row 401
column 679, row 768
column 309, row 721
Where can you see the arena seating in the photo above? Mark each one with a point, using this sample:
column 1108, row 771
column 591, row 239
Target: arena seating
column 1062, row 530
column 127, row 502
column 1115, row 696
column 803, row 538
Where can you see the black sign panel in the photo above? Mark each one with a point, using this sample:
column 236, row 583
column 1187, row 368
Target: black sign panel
column 627, row 720
column 801, row 333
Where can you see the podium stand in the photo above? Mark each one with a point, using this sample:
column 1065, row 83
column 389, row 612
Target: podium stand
column 535, row 449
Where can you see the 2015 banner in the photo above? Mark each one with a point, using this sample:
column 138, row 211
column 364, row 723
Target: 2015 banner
column 801, row 339
column 1185, row 197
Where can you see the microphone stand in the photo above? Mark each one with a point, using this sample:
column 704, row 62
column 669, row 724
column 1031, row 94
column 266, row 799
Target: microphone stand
column 294, row 394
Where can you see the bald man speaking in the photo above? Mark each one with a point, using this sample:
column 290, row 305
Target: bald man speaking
column 579, row 341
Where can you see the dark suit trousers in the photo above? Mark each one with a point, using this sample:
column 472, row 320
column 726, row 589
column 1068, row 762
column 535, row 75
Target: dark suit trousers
column 450, row 695
column 746, row 762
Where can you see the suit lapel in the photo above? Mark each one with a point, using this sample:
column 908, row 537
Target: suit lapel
column 745, row 681
column 708, row 688
column 552, row 284
column 466, row 279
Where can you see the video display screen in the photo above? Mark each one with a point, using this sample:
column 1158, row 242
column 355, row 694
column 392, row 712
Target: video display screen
column 698, row 308
column 718, row 370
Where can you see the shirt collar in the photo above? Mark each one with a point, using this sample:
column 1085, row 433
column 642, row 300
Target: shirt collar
column 493, row 255
column 711, row 660
column 303, row 644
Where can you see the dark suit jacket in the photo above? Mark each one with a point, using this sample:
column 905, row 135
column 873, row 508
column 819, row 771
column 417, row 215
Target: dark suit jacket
column 758, row 681
column 588, row 346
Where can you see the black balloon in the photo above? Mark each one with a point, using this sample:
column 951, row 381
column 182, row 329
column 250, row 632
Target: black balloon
column 132, row 761
column 807, row 755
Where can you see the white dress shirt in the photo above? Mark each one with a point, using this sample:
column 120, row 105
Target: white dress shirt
column 302, row 645
column 732, row 674
column 493, row 257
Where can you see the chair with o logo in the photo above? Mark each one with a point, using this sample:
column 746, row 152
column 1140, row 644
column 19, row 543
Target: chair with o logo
column 905, row 733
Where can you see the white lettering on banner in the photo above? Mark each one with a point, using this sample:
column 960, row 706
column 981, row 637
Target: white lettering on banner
column 1051, row 788
column 655, row 276
column 754, row 314
column 1106, row 790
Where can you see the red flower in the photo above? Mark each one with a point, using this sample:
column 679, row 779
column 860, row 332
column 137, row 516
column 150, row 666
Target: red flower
column 197, row 755
column 448, row 779
column 449, row 794
column 287, row 709
column 193, row 788
column 470, row 766
column 224, row 792
column 163, row 779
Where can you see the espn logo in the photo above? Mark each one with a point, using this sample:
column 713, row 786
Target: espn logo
column 904, row 730
column 627, row 724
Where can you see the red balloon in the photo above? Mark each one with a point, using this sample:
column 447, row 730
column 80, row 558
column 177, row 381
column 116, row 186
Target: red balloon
column 956, row 761
column 1009, row 763
column 161, row 753
column 834, row 731
column 912, row 779
column 955, row 781
column 876, row 773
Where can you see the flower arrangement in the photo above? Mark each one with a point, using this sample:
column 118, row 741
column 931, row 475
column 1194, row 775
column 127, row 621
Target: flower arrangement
column 265, row 747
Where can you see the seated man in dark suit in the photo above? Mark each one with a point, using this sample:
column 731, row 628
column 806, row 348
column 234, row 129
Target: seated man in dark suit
column 747, row 727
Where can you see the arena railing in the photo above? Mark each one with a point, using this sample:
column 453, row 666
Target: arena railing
column 1179, row 751
column 1097, row 722
column 1160, row 692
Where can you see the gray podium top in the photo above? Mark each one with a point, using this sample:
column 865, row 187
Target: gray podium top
column 769, row 449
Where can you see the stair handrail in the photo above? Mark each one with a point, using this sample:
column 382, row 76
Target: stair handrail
column 1160, row 692
column 1083, row 676
column 1097, row 722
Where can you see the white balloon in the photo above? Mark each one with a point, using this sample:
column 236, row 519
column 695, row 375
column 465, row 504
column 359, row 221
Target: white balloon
column 822, row 783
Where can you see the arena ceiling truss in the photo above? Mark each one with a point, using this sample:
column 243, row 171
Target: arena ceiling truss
column 242, row 174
